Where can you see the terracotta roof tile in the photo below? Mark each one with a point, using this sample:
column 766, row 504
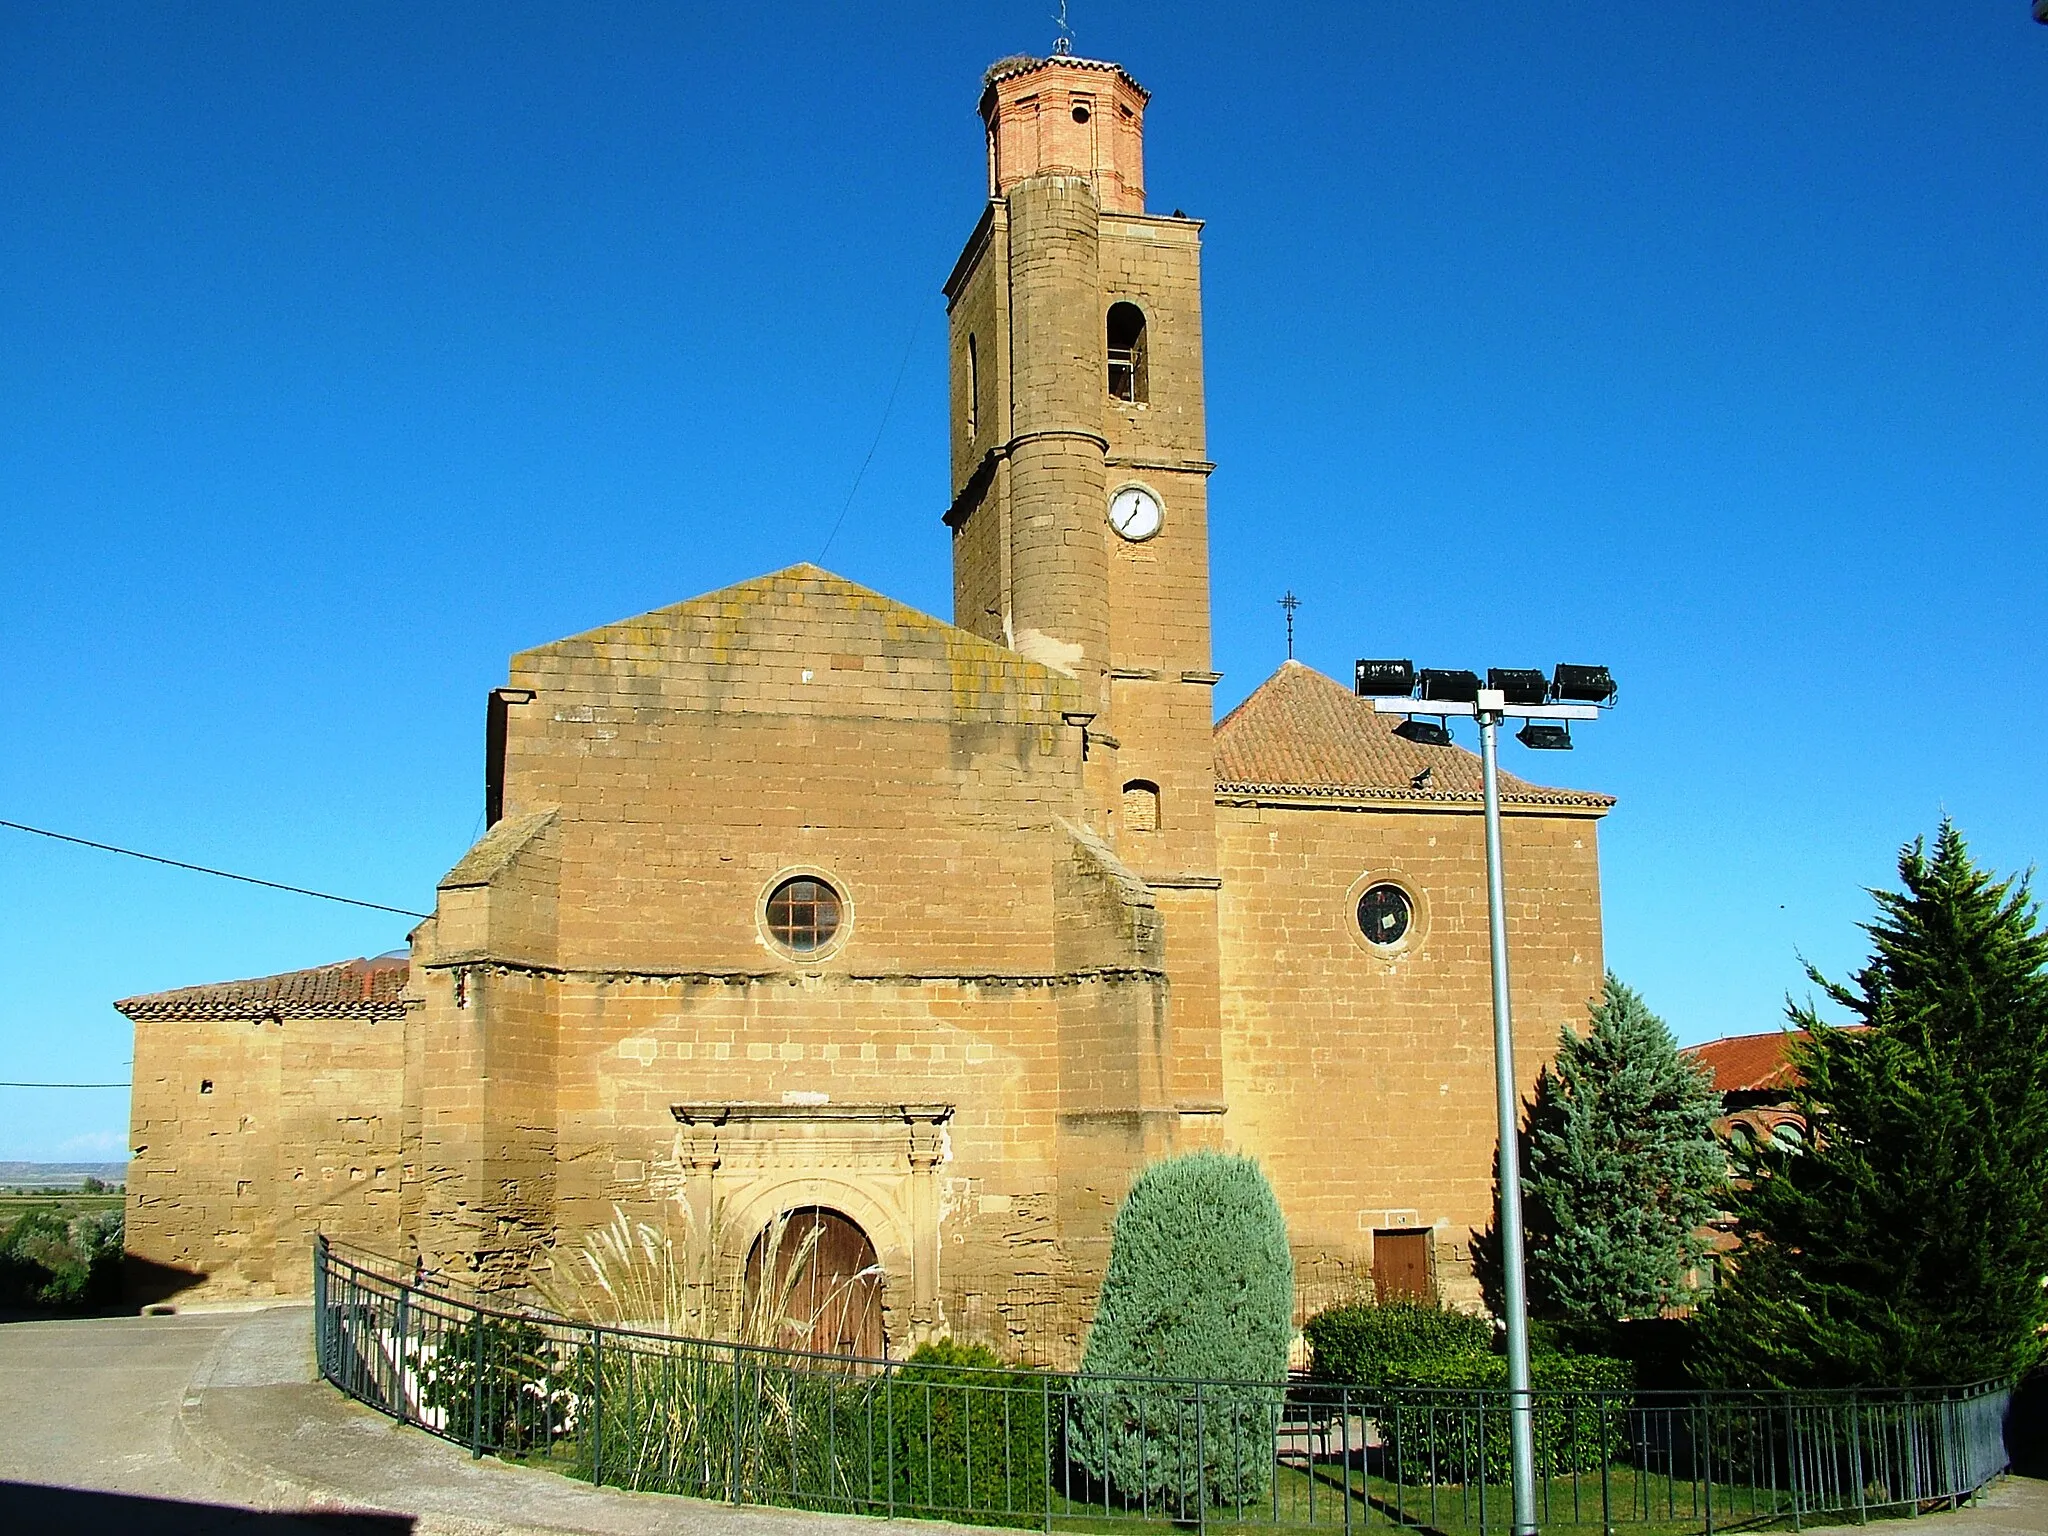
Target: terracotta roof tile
column 352, row 989
column 1025, row 64
column 1301, row 733
column 1753, row 1063
column 1747, row 1063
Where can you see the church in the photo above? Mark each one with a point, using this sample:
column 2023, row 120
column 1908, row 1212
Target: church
column 797, row 903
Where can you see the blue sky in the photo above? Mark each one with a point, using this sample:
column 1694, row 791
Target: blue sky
column 348, row 350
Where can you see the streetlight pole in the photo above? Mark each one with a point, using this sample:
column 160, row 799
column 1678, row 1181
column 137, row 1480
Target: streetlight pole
column 1514, row 1279
column 1489, row 707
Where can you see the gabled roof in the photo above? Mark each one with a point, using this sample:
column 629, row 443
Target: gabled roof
column 351, row 989
column 797, row 641
column 1301, row 733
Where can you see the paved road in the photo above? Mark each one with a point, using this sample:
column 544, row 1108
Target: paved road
column 214, row 1422
column 201, row 1423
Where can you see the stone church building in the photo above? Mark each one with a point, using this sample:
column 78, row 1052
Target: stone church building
column 797, row 900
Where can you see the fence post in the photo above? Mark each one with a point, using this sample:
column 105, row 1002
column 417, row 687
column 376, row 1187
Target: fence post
column 1793, row 1478
column 1045, row 1425
column 596, row 1407
column 1912, row 1438
column 401, row 1330
column 1856, row 1459
column 322, row 1352
column 1707, row 1467
column 732, row 1471
column 1201, row 1469
column 476, row 1395
column 1344, row 1455
column 1606, row 1449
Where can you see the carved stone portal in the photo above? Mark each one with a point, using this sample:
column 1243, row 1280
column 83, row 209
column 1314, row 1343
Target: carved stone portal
column 746, row 1164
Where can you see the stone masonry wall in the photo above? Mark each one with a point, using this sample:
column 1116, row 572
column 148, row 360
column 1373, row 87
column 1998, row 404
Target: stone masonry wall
column 251, row 1135
column 1364, row 1081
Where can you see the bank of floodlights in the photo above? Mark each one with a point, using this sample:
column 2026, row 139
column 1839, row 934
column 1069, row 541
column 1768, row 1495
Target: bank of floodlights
column 1525, row 693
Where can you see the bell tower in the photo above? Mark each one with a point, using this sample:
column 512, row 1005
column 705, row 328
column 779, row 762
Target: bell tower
column 1080, row 482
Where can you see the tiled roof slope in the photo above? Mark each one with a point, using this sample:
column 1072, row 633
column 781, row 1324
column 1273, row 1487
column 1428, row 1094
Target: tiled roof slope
column 1746, row 1063
column 1752, row 1063
column 352, row 989
column 1301, row 733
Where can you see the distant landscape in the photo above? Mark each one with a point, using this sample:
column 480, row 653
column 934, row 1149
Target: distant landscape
column 59, row 1175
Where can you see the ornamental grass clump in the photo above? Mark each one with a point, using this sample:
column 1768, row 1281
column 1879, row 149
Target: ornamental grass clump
column 1186, row 1365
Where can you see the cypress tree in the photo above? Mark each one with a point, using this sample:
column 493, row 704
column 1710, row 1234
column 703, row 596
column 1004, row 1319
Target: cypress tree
column 1903, row 1239
column 1620, row 1171
column 1200, row 1287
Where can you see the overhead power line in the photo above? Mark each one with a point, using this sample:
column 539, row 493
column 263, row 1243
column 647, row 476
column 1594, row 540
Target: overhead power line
column 201, row 869
column 862, row 474
column 66, row 1085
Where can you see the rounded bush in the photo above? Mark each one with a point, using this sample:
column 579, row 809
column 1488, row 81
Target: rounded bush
column 1198, row 1301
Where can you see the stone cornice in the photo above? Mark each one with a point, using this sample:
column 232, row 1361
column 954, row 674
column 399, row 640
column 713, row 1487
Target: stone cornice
column 480, row 961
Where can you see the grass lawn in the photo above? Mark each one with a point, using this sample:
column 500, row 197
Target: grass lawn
column 66, row 1203
column 1638, row 1501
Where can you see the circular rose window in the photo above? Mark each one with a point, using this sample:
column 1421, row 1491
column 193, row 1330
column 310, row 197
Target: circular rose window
column 1384, row 913
column 803, row 914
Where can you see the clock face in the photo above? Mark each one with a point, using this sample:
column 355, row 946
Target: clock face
column 1134, row 513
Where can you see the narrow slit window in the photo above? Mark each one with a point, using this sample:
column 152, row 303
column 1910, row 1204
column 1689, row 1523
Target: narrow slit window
column 1127, row 380
column 973, row 387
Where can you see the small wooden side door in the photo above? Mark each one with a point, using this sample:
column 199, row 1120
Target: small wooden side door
column 1404, row 1264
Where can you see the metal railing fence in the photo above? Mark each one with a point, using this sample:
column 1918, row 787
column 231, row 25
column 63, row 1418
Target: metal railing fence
column 753, row 1425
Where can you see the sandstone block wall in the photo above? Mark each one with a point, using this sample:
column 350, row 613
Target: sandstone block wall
column 250, row 1135
column 1364, row 1081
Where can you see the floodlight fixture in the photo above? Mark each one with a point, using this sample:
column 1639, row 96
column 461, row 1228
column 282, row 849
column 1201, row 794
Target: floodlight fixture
column 1385, row 679
column 1545, row 736
column 1424, row 733
column 1582, row 685
column 1450, row 687
column 1519, row 685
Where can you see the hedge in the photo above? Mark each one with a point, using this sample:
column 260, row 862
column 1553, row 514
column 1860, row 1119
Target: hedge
column 970, row 1437
column 1357, row 1345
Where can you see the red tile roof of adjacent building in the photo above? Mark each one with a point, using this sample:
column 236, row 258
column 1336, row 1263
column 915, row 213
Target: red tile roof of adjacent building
column 350, row 989
column 1301, row 733
column 1748, row 1063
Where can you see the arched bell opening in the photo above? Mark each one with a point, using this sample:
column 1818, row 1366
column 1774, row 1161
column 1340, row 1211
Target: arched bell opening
column 817, row 1281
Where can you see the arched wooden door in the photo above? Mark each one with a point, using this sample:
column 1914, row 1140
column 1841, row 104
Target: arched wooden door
column 827, row 1285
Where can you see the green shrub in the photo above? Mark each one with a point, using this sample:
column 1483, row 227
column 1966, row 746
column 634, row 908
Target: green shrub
column 520, row 1393
column 1432, row 1422
column 969, row 1437
column 49, row 1259
column 1200, row 1288
column 1356, row 1345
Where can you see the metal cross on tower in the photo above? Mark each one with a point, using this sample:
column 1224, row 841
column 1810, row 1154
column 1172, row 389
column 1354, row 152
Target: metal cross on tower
column 1290, row 602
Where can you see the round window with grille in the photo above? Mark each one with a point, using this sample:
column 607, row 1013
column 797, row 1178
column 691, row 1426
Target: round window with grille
column 1384, row 913
column 803, row 914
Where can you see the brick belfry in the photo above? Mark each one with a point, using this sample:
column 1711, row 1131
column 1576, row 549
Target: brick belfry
column 1076, row 359
column 796, row 904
